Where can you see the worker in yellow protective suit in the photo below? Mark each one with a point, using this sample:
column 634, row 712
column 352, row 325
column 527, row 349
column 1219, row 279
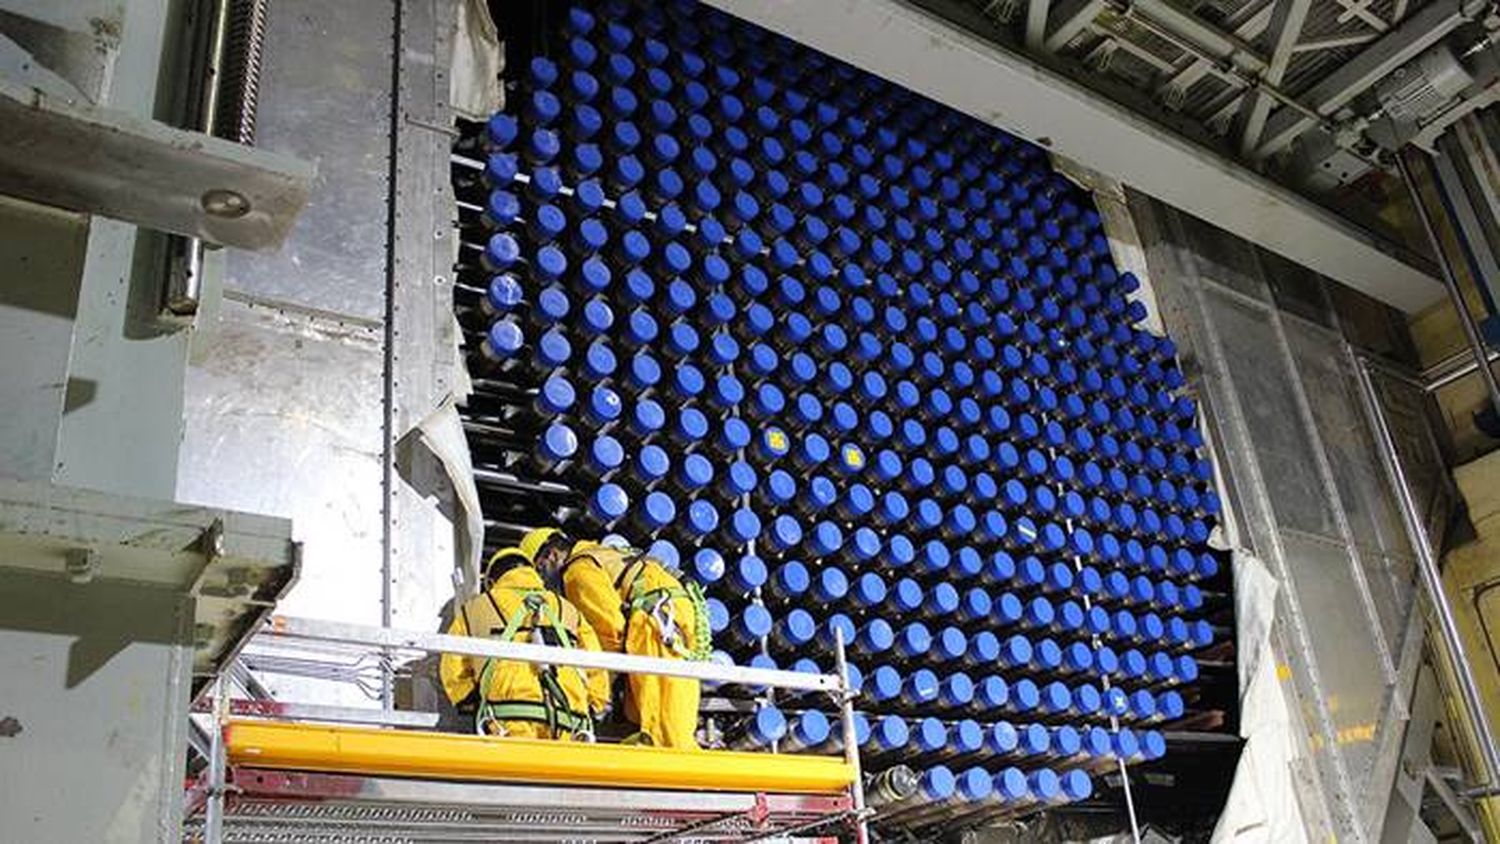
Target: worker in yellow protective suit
column 517, row 698
column 637, row 607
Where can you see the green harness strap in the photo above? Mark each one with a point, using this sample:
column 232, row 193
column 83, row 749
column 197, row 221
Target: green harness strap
column 554, row 709
column 651, row 601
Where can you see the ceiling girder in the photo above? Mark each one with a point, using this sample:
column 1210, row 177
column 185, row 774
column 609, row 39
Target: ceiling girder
column 1036, row 24
column 1284, row 30
column 1073, row 16
column 1425, row 27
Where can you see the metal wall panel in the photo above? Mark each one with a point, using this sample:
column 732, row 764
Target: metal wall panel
column 285, row 393
column 1299, row 464
column 284, row 418
column 41, row 258
column 424, row 352
column 96, row 680
column 125, row 367
column 1328, row 384
column 325, row 97
column 324, row 355
column 1265, row 387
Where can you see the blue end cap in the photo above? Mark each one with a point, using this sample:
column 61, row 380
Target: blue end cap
column 885, row 684
column 1076, row 786
column 609, row 502
column 1010, row 784
column 652, row 462
column 767, row 725
column 708, row 566
column 951, row 643
column 556, row 395
column 831, row 585
column 792, row 579
column 1034, row 740
column 798, row 627
column 755, row 621
column 1047, row 655
column 822, row 493
column 744, row 525
column 827, row 538
column 914, row 640
column 876, row 636
column 930, row 734
column 718, row 615
column 993, row 693
column 1056, row 697
column 1025, row 695
column 606, row 454
column 1016, row 651
column 659, row 510
column 786, row 533
column 703, row 518
column 908, row 595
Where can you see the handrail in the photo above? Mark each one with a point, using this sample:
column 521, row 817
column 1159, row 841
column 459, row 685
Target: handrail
column 392, row 639
column 315, row 630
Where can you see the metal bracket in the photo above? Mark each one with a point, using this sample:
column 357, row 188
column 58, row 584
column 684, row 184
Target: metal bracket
column 83, row 565
column 1455, row 803
column 104, row 161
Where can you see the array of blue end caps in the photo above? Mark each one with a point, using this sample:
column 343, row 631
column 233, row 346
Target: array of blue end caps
column 857, row 363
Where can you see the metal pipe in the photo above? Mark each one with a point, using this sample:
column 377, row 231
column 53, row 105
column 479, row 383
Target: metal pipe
column 213, row 817
column 1226, row 55
column 1450, row 282
column 851, row 742
column 396, row 639
column 184, row 277
column 1432, row 582
column 1455, row 367
column 1227, row 47
column 452, row 756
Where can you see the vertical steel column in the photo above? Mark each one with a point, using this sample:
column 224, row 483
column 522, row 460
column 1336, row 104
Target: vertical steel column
column 1427, row 565
column 851, row 743
column 1455, row 294
column 389, row 422
column 213, row 825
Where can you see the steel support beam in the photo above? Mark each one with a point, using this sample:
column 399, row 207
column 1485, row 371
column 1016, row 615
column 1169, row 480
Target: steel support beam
column 1286, row 25
column 1248, row 29
column 1335, row 42
column 1223, row 47
column 1036, row 24
column 1361, row 9
column 895, row 40
column 1426, row 27
column 107, row 161
column 1073, row 16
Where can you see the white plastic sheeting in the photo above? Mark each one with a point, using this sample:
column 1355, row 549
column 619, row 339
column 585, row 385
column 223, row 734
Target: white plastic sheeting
column 1262, row 804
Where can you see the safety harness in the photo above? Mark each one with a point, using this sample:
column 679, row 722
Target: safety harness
column 538, row 618
column 657, row 605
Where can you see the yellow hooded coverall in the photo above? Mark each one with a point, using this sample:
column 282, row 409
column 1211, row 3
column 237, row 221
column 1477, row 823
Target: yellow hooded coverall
column 617, row 595
column 520, row 683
